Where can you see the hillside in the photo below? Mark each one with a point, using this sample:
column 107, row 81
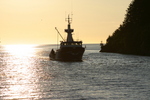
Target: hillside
column 133, row 35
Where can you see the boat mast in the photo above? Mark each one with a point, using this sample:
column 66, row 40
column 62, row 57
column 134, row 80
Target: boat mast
column 69, row 30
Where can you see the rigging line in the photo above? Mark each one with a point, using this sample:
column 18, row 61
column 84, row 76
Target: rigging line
column 71, row 9
column 57, row 40
column 72, row 6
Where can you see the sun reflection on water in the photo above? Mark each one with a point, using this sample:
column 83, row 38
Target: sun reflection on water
column 20, row 72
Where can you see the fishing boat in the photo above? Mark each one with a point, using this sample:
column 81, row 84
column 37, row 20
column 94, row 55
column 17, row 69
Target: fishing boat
column 69, row 50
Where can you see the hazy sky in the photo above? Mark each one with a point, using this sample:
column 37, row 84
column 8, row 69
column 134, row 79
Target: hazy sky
column 34, row 21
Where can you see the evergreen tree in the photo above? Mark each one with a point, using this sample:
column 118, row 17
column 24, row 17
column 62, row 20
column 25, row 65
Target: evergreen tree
column 133, row 36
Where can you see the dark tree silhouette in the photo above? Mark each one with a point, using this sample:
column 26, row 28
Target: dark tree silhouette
column 133, row 36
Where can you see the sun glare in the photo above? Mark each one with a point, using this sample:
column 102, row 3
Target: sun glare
column 20, row 50
column 20, row 71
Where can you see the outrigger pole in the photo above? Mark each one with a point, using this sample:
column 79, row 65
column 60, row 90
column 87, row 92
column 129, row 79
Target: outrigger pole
column 59, row 33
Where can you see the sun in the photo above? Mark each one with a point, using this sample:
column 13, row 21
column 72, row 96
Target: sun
column 20, row 50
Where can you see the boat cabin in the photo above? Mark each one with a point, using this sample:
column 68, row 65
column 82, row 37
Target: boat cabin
column 70, row 44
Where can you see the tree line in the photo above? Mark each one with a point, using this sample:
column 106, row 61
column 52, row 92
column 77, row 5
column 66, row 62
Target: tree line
column 133, row 35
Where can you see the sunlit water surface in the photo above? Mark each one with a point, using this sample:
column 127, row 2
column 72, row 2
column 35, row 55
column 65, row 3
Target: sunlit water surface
column 27, row 73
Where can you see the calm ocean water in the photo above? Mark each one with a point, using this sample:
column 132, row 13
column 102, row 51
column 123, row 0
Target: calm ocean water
column 26, row 73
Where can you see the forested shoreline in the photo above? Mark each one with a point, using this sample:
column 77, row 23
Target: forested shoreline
column 133, row 35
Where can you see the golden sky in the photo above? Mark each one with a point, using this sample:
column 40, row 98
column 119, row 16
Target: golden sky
column 34, row 21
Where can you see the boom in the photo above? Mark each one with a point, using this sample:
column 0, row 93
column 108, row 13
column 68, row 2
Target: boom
column 59, row 33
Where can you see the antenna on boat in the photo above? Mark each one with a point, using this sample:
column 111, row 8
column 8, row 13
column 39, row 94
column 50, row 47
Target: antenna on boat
column 69, row 19
column 59, row 33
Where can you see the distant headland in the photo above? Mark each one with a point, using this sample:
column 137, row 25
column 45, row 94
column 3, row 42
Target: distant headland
column 133, row 35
